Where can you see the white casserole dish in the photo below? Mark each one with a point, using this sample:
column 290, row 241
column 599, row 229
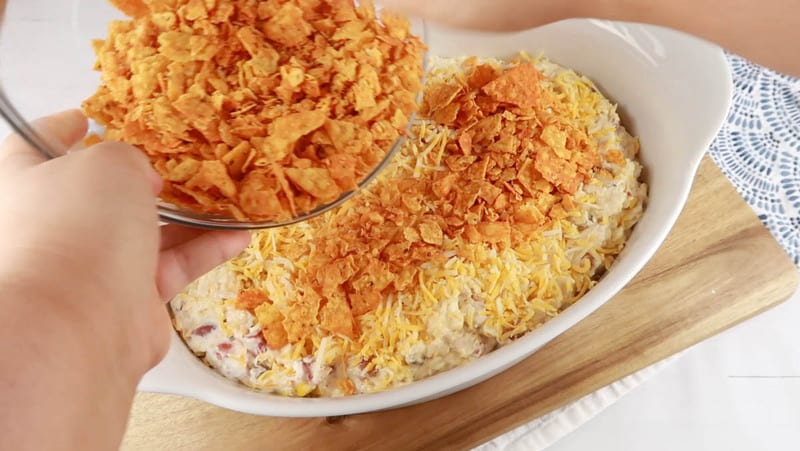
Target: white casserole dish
column 674, row 92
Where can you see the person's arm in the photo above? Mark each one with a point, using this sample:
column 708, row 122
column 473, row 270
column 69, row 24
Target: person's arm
column 84, row 273
column 62, row 385
column 765, row 31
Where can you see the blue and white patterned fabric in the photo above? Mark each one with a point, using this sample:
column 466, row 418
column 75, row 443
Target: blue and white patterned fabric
column 758, row 148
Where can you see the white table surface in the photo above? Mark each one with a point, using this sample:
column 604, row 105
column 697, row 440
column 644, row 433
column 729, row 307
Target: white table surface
column 737, row 391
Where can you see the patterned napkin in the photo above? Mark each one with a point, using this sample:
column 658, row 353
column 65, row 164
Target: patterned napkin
column 758, row 149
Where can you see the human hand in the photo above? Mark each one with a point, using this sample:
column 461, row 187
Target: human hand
column 83, row 230
column 85, row 270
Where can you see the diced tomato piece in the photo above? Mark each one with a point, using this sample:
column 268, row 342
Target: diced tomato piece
column 202, row 331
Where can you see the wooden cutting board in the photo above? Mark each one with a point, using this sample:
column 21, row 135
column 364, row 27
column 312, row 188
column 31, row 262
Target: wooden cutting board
column 718, row 267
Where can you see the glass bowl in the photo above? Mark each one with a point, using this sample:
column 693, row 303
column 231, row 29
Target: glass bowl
column 46, row 66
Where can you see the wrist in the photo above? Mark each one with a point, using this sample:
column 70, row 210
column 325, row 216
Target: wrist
column 52, row 322
column 58, row 377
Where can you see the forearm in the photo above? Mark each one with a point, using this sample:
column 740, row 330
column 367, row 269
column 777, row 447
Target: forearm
column 490, row 15
column 59, row 389
column 765, row 31
column 82, row 285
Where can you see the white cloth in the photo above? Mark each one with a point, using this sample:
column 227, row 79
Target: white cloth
column 739, row 391
column 544, row 431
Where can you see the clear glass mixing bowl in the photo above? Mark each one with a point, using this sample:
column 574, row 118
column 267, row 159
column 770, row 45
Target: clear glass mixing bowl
column 46, row 62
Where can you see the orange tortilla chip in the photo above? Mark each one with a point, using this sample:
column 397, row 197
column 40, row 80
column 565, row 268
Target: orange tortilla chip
column 499, row 232
column 198, row 195
column 333, row 275
column 375, row 275
column 487, row 105
column 184, row 170
column 445, row 185
column 555, row 138
column 336, row 317
column 301, row 317
column 271, row 321
column 132, row 8
column 342, row 168
column 185, row 47
column 286, row 130
column 439, row 96
column 213, row 174
column 528, row 213
column 465, row 142
column 363, row 303
column 431, row 233
column 315, row 181
column 250, row 299
column 259, row 49
column 288, row 27
column 258, row 195
column 342, row 134
column 196, row 9
column 446, row 115
column 487, row 128
column 528, row 175
column 481, row 76
column 237, row 159
column 517, row 86
column 561, row 173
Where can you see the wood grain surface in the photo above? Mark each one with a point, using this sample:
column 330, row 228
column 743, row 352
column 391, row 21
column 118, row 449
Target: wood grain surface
column 719, row 267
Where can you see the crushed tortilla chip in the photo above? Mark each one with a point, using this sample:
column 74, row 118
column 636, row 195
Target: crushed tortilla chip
column 250, row 299
column 132, row 8
column 300, row 320
column 271, row 321
column 314, row 181
column 213, row 174
column 363, row 303
column 336, row 317
column 308, row 94
column 517, row 86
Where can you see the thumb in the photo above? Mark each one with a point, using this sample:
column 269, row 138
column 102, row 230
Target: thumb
column 60, row 131
column 182, row 264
